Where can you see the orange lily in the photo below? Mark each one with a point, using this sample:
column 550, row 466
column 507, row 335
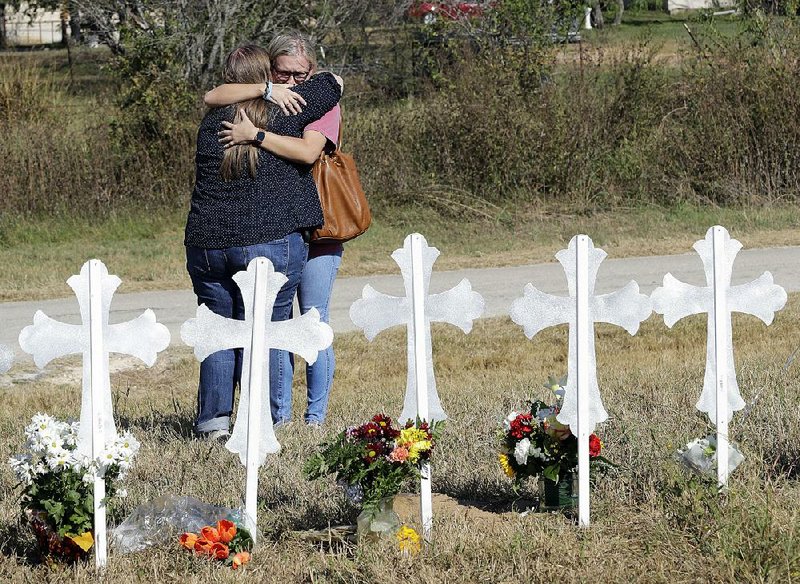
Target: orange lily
column 240, row 560
column 210, row 533
column 226, row 530
column 188, row 540
column 219, row 551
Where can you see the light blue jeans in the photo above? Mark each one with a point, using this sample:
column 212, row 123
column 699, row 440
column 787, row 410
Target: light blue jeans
column 314, row 291
column 211, row 271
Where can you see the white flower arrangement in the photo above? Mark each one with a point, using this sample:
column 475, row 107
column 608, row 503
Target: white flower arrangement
column 57, row 481
column 50, row 446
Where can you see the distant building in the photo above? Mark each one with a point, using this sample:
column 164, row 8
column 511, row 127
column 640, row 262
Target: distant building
column 30, row 28
column 680, row 5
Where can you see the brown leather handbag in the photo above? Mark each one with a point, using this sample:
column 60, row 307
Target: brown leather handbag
column 344, row 204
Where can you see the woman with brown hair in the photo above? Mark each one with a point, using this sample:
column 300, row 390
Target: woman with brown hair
column 246, row 203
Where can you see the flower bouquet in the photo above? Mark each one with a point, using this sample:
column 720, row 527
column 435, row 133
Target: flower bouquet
column 373, row 461
column 57, row 498
column 536, row 444
column 225, row 542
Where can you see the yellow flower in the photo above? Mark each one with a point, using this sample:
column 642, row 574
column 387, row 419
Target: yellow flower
column 415, row 440
column 503, row 458
column 408, row 540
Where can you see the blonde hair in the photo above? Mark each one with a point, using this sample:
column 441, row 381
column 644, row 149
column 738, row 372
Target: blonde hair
column 293, row 44
column 246, row 64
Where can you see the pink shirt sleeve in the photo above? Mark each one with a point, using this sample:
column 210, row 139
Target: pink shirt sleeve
column 328, row 125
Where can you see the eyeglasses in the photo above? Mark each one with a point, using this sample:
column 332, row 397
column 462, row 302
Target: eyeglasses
column 283, row 76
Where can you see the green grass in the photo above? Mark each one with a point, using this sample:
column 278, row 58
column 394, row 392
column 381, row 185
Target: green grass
column 146, row 249
column 651, row 522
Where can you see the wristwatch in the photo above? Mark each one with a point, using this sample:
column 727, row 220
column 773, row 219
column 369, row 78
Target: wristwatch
column 260, row 135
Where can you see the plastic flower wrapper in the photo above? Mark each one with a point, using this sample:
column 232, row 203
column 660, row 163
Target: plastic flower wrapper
column 700, row 456
column 160, row 520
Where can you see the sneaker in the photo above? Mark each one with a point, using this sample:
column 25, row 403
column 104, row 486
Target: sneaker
column 313, row 424
column 220, row 436
column 282, row 423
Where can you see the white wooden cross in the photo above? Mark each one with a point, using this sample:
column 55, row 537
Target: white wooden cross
column 6, row 358
column 676, row 300
column 47, row 339
column 375, row 312
column 253, row 435
column 582, row 408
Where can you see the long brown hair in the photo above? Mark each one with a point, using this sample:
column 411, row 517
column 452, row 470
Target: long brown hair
column 246, row 64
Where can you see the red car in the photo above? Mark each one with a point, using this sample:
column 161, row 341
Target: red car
column 430, row 12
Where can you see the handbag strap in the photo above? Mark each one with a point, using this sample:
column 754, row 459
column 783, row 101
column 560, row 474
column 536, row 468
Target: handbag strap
column 339, row 138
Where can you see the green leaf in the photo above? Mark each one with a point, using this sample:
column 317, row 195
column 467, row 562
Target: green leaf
column 552, row 472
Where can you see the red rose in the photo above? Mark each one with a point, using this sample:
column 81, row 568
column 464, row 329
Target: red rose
column 595, row 445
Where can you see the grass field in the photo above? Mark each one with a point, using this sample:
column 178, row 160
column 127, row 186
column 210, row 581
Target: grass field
column 146, row 250
column 651, row 522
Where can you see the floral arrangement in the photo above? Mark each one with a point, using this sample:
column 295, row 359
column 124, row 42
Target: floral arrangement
column 535, row 443
column 375, row 458
column 224, row 542
column 57, row 481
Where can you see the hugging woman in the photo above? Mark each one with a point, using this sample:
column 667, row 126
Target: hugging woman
column 248, row 202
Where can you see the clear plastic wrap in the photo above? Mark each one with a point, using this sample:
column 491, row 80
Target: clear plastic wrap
column 700, row 455
column 167, row 516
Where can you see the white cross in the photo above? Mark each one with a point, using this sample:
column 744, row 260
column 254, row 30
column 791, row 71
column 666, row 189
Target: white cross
column 582, row 408
column 47, row 339
column 761, row 298
column 253, row 435
column 6, row 358
column 536, row 311
column 375, row 312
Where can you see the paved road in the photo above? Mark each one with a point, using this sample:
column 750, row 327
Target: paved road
column 499, row 287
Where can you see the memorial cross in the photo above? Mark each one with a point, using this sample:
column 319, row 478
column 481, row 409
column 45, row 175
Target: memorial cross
column 253, row 435
column 47, row 339
column 676, row 300
column 375, row 312
column 582, row 408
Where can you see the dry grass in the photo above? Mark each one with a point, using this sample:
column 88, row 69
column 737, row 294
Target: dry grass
column 651, row 522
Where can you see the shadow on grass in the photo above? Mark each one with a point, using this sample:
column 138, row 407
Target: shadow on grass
column 17, row 542
column 160, row 426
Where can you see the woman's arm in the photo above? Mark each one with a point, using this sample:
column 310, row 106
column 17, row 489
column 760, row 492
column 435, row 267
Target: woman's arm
column 230, row 93
column 304, row 150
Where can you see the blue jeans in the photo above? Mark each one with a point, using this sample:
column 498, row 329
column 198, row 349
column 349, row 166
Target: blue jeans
column 211, row 271
column 315, row 288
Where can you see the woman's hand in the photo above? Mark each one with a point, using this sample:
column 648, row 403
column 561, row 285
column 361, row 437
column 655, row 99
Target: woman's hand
column 234, row 134
column 286, row 99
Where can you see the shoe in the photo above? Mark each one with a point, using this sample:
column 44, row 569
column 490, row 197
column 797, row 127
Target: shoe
column 282, row 423
column 313, row 424
column 221, row 436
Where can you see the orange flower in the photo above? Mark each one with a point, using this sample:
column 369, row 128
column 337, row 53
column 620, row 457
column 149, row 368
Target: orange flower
column 210, row 533
column 226, row 530
column 240, row 559
column 219, row 551
column 203, row 546
column 188, row 540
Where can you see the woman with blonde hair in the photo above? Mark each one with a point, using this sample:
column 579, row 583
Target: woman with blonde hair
column 248, row 202
column 293, row 60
